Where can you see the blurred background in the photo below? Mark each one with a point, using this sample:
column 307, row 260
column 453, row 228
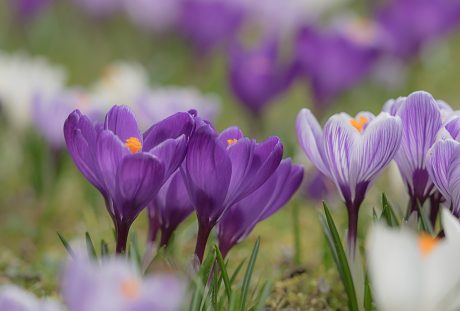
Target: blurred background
column 250, row 63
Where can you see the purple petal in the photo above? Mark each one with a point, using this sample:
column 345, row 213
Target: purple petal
column 178, row 124
column 378, row 145
column 421, row 122
column 208, row 172
column 121, row 121
column 241, row 155
column 171, row 152
column 229, row 134
column 80, row 136
column 438, row 163
column 453, row 127
column 310, row 138
column 139, row 178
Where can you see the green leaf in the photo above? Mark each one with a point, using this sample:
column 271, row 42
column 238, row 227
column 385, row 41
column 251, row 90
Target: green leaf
column 223, row 271
column 425, row 220
column 90, row 246
column 265, row 292
column 66, row 245
column 104, row 248
column 340, row 258
column 248, row 275
column 367, row 295
column 388, row 212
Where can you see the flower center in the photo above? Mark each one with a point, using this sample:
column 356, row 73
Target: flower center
column 427, row 243
column 133, row 144
column 130, row 288
column 359, row 124
column 232, row 141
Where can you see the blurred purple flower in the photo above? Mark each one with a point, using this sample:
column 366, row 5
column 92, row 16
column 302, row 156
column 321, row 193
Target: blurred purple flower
column 126, row 167
column 421, row 120
column 114, row 284
column 241, row 218
column 169, row 208
column 332, row 62
column 406, row 25
column 317, row 186
column 99, row 8
column 352, row 152
column 208, row 23
column 153, row 15
column 50, row 113
column 28, row 9
column 221, row 169
column 13, row 298
column 257, row 75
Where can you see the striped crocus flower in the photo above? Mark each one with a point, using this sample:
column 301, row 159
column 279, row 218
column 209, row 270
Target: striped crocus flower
column 351, row 152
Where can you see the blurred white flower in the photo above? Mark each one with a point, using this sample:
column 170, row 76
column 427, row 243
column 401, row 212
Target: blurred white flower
column 411, row 272
column 121, row 84
column 162, row 102
column 13, row 298
column 21, row 77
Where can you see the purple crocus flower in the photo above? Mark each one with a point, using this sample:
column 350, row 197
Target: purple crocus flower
column 406, row 25
column 153, row 15
column 99, row 8
column 257, row 75
column 169, row 208
column 421, row 120
column 352, row 152
column 13, row 298
column 207, row 23
column 241, row 218
column 332, row 62
column 115, row 284
column 28, row 9
column 222, row 169
column 126, row 167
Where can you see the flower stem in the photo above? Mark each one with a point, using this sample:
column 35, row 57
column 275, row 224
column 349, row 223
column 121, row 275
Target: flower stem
column 202, row 239
column 122, row 237
column 352, row 231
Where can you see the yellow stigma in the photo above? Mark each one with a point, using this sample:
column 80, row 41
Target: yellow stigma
column 232, row 141
column 130, row 288
column 359, row 124
column 133, row 144
column 427, row 243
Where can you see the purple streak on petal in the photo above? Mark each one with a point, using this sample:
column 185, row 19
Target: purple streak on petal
column 121, row 121
column 310, row 136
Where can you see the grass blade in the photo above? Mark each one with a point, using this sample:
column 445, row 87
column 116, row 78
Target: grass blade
column 248, row 275
column 66, row 245
column 367, row 295
column 342, row 261
column 223, row 271
column 104, row 248
column 237, row 271
column 265, row 292
column 388, row 212
column 90, row 246
column 425, row 220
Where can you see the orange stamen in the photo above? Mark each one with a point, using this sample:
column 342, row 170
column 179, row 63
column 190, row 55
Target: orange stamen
column 427, row 243
column 232, row 141
column 133, row 144
column 130, row 289
column 359, row 124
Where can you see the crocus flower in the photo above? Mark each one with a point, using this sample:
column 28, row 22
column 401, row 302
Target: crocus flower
column 415, row 272
column 13, row 298
column 28, row 9
column 126, row 167
column 241, row 218
column 159, row 103
column 352, row 152
column 99, row 8
column 332, row 62
column 221, row 169
column 208, row 23
column 21, row 78
column 115, row 284
column 407, row 25
column 169, row 208
column 421, row 119
column 257, row 76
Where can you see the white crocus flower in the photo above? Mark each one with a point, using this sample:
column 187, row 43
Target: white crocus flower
column 121, row 84
column 411, row 272
column 21, row 78
column 15, row 298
